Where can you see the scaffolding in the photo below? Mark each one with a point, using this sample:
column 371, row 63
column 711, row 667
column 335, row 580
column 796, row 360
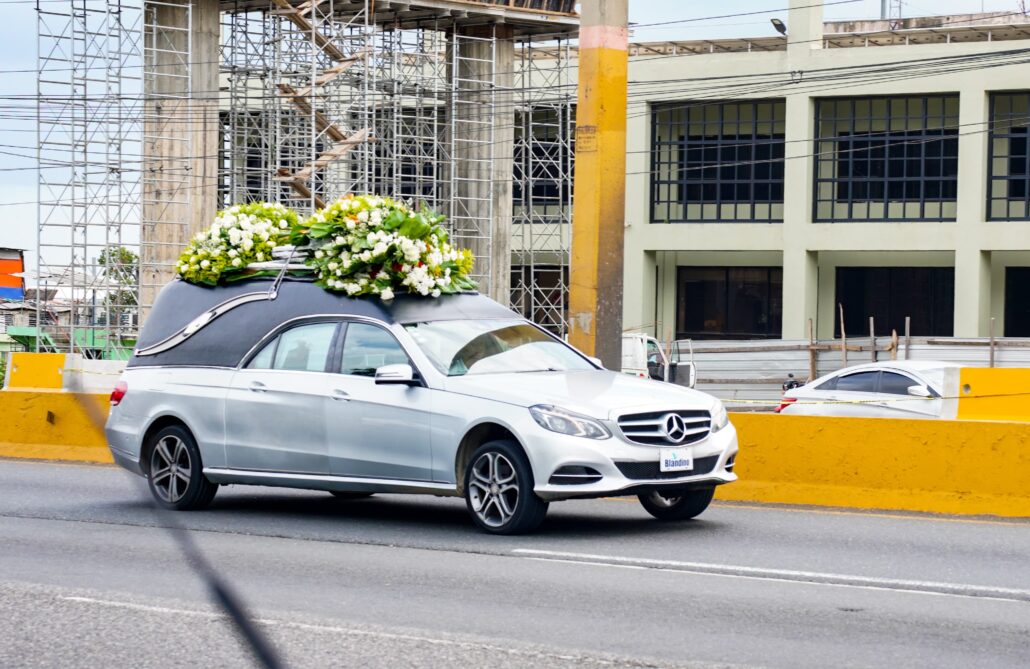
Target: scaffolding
column 425, row 101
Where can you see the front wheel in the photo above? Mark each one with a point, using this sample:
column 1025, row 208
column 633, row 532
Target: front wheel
column 499, row 490
column 175, row 472
column 682, row 506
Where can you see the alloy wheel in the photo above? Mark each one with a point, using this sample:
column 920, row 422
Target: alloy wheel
column 170, row 468
column 494, row 489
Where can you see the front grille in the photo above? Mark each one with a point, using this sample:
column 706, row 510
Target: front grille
column 649, row 428
column 641, row 471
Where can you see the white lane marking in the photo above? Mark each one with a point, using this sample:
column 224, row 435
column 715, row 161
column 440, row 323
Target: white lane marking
column 347, row 630
column 786, row 575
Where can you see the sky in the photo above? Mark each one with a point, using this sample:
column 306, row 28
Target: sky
column 18, row 178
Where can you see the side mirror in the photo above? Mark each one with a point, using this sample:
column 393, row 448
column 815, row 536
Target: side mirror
column 919, row 391
column 396, row 375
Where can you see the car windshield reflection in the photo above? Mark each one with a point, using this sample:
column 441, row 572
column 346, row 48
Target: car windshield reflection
column 467, row 347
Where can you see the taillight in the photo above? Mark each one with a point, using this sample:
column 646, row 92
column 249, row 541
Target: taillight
column 118, row 393
column 784, row 403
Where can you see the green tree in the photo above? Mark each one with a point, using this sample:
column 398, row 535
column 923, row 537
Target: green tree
column 121, row 271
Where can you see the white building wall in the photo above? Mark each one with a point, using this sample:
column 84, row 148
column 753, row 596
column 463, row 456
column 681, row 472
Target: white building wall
column 978, row 249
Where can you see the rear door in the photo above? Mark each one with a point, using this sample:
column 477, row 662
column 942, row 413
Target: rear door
column 376, row 431
column 894, row 387
column 856, row 395
column 275, row 410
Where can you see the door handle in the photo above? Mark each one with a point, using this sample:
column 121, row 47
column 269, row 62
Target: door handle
column 257, row 387
column 339, row 395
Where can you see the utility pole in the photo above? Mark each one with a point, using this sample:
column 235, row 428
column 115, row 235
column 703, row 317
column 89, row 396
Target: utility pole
column 599, row 204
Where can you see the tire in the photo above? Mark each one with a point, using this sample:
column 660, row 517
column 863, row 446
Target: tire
column 340, row 494
column 184, row 486
column 684, row 506
column 499, row 490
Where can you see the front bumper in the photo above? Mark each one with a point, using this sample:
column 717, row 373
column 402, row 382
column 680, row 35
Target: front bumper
column 549, row 452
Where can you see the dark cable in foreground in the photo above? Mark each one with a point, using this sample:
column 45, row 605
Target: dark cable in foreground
column 219, row 590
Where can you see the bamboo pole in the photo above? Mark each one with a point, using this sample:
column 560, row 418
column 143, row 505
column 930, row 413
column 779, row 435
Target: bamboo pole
column 908, row 334
column 812, row 355
column 843, row 339
column 894, row 344
column 872, row 337
column 990, row 362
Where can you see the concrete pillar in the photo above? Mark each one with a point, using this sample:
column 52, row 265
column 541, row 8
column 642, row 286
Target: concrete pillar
column 484, row 139
column 972, row 263
column 800, row 267
column 181, row 134
column 599, row 206
column 804, row 26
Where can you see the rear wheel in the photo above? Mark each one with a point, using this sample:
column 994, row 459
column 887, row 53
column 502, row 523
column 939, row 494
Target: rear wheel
column 175, row 471
column 499, row 490
column 681, row 506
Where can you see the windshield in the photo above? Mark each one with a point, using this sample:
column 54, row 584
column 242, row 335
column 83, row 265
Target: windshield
column 463, row 347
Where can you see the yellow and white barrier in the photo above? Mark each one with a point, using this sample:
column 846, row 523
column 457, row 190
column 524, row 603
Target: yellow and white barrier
column 53, row 425
column 938, row 466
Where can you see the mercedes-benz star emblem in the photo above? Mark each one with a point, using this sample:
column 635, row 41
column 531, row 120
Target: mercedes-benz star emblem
column 675, row 428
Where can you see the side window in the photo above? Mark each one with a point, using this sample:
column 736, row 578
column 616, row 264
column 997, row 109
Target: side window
column 862, row 382
column 896, row 384
column 263, row 360
column 304, row 348
column 828, row 384
column 366, row 348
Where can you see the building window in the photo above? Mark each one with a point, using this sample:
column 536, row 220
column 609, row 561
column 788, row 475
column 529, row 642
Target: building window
column 729, row 302
column 924, row 294
column 886, row 159
column 542, row 179
column 1017, row 306
column 539, row 293
column 717, row 162
column 1009, row 166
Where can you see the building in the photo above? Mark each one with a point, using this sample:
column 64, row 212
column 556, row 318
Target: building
column 875, row 168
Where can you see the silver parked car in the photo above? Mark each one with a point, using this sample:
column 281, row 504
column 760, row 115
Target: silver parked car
column 896, row 389
column 289, row 385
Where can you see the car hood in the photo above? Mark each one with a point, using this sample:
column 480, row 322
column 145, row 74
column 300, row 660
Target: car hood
column 595, row 393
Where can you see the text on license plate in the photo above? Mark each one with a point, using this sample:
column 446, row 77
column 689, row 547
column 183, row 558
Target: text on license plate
column 675, row 460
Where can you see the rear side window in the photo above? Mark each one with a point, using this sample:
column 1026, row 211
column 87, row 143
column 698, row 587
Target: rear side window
column 828, row 384
column 896, row 384
column 862, row 382
column 366, row 348
column 302, row 349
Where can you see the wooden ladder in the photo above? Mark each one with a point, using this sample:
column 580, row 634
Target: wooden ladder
column 342, row 143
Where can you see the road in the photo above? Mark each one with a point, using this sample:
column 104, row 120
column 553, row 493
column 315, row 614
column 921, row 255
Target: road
column 91, row 576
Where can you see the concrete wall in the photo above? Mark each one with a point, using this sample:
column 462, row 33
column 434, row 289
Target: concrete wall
column 953, row 467
column 809, row 252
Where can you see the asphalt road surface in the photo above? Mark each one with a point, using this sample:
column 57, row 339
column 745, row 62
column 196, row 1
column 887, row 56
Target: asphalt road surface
column 91, row 576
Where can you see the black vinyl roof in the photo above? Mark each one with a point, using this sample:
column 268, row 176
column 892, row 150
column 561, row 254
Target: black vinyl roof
column 224, row 341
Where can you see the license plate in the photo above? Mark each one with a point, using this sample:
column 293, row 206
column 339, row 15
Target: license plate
column 675, row 460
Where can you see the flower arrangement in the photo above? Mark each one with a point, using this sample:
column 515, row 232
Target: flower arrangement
column 359, row 245
column 370, row 245
column 240, row 235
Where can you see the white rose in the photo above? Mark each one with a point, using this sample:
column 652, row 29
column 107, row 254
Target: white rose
column 205, row 263
column 363, row 216
column 233, row 253
column 387, row 294
column 283, row 224
column 248, row 244
column 260, row 257
column 236, row 262
column 333, row 265
column 319, row 253
column 340, row 241
column 436, row 293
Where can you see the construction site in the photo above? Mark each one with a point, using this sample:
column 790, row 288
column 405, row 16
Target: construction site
column 155, row 114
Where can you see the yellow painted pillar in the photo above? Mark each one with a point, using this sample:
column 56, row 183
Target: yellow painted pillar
column 599, row 205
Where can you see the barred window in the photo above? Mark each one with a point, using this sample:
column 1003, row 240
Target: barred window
column 542, row 175
column 729, row 302
column 717, row 162
column 1009, row 166
column 882, row 159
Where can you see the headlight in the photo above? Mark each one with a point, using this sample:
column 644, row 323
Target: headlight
column 565, row 422
column 720, row 418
